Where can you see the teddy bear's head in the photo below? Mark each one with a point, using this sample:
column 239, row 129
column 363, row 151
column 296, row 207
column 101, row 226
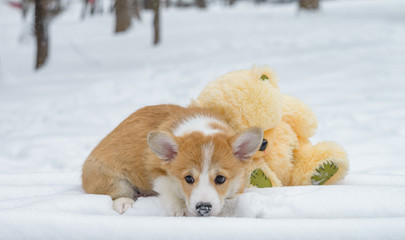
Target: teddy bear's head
column 246, row 98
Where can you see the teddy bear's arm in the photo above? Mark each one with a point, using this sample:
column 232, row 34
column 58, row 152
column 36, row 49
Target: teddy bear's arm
column 299, row 116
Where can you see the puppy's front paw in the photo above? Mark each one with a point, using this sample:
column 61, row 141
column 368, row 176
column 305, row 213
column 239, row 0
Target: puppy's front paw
column 177, row 208
column 122, row 204
column 179, row 212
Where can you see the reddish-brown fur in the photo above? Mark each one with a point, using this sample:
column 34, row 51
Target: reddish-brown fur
column 223, row 162
column 122, row 164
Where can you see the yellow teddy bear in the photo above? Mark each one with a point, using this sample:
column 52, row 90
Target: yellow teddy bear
column 286, row 158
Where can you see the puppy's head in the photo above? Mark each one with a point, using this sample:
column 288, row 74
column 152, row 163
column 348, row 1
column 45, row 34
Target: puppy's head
column 204, row 170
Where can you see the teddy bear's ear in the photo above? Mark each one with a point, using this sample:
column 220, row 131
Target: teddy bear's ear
column 247, row 143
column 265, row 73
column 264, row 77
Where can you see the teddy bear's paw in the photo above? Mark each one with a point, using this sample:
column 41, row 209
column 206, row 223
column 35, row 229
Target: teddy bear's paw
column 259, row 179
column 324, row 173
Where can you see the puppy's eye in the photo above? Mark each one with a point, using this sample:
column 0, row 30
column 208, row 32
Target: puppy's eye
column 263, row 146
column 189, row 179
column 220, row 179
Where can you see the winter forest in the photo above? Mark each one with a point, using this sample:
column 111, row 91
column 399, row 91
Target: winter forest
column 72, row 70
column 123, row 10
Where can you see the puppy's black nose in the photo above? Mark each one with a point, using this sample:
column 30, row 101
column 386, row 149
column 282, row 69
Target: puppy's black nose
column 203, row 208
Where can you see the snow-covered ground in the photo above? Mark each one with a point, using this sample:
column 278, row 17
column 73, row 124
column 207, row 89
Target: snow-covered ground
column 347, row 62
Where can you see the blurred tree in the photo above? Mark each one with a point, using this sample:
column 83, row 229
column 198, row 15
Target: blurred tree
column 54, row 8
column 148, row 4
column 41, row 32
column 200, row 3
column 156, row 22
column 259, row 1
column 309, row 4
column 96, row 6
column 122, row 15
column 25, row 5
column 136, row 9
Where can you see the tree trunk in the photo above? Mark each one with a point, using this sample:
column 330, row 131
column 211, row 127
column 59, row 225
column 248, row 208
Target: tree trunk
column 156, row 22
column 259, row 1
column 25, row 5
column 41, row 32
column 136, row 9
column 232, row 2
column 122, row 16
column 200, row 3
column 309, row 4
column 148, row 4
column 92, row 7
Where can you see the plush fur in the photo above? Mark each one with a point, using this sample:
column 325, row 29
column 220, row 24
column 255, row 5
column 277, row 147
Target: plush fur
column 252, row 98
column 155, row 149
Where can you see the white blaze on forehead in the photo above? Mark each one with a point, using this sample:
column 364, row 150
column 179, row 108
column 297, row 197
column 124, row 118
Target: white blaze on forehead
column 204, row 191
column 207, row 152
column 198, row 123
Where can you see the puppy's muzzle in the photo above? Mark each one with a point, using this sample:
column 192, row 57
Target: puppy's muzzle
column 203, row 208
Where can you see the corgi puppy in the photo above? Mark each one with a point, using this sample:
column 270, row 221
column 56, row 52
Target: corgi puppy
column 190, row 157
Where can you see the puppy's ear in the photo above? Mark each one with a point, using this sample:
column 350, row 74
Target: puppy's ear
column 163, row 145
column 247, row 143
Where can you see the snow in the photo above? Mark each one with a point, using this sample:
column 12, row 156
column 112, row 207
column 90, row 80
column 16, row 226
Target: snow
column 347, row 62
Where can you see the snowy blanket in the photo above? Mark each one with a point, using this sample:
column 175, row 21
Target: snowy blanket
column 53, row 206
